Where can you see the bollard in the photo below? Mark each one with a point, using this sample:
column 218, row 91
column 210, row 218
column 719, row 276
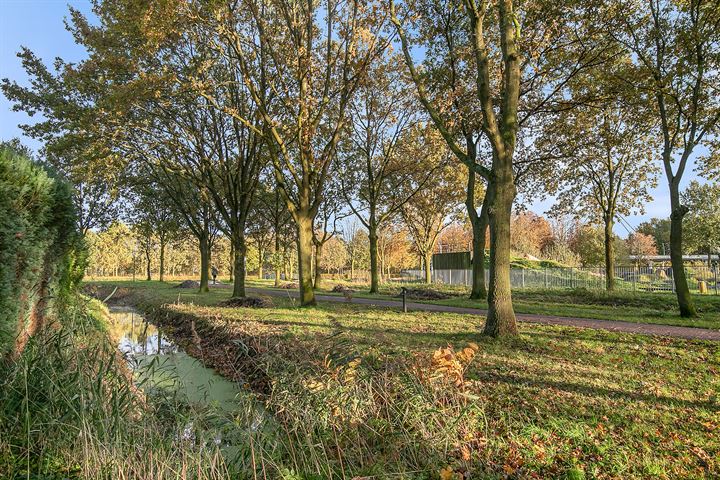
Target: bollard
column 404, row 299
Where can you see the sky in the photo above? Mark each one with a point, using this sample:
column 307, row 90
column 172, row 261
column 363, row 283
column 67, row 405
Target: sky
column 39, row 25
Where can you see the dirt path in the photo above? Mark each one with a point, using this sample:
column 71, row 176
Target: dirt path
column 691, row 333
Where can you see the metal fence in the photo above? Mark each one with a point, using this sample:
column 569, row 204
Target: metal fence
column 700, row 279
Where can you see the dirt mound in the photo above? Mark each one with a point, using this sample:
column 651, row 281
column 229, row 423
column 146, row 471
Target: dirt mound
column 188, row 284
column 290, row 286
column 342, row 289
column 425, row 294
column 247, row 302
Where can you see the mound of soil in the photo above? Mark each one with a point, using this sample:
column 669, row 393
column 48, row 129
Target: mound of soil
column 425, row 294
column 290, row 286
column 189, row 284
column 342, row 289
column 247, row 302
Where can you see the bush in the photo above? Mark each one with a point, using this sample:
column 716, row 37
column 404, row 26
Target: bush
column 41, row 257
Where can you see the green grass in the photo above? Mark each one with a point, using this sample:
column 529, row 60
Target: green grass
column 360, row 392
column 656, row 308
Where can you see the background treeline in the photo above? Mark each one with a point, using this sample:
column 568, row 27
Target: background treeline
column 41, row 254
column 235, row 117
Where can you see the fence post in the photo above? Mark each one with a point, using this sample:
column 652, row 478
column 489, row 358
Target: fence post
column 523, row 278
column 634, row 277
column 716, row 285
column 546, row 277
column 572, row 277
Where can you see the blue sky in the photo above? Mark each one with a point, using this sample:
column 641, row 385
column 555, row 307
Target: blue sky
column 39, row 25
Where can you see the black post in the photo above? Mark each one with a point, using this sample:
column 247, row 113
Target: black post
column 404, row 298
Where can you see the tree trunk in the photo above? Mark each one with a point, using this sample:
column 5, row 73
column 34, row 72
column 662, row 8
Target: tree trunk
column 305, row 247
column 609, row 255
column 501, row 317
column 147, row 258
column 276, row 259
column 428, row 272
column 239, row 263
column 479, row 227
column 318, row 256
column 204, row 263
column 261, row 260
column 374, row 280
column 232, row 262
column 687, row 308
column 162, row 260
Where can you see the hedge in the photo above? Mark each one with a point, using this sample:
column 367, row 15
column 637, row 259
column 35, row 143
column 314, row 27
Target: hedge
column 41, row 253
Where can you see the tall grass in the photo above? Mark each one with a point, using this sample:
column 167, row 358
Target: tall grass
column 68, row 409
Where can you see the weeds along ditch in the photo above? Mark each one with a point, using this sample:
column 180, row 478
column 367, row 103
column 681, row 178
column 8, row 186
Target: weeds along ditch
column 69, row 408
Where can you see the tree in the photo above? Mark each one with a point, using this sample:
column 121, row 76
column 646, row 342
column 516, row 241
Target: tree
column 427, row 214
column 335, row 255
column 154, row 220
column 72, row 135
column 608, row 167
column 312, row 57
column 382, row 161
column 480, row 41
column 676, row 75
column 530, row 233
column 659, row 229
column 326, row 228
column 640, row 246
column 702, row 223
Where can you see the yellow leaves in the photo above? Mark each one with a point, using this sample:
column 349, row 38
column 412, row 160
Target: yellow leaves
column 450, row 366
column 448, row 473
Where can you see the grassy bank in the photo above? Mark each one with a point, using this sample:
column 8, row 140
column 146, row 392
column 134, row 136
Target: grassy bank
column 657, row 308
column 68, row 409
column 358, row 392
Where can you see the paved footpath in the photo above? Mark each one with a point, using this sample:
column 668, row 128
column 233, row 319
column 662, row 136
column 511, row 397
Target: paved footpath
column 691, row 333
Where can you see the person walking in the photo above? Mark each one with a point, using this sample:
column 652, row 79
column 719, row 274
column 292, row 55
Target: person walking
column 214, row 272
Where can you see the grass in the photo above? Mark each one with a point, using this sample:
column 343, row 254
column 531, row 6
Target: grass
column 656, row 308
column 69, row 409
column 372, row 393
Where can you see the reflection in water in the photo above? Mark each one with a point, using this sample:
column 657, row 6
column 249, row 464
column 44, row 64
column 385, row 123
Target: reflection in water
column 163, row 370
column 160, row 366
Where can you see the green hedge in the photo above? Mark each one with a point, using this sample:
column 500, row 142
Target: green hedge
column 41, row 254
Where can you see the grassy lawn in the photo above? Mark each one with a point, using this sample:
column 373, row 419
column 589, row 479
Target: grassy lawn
column 374, row 393
column 659, row 308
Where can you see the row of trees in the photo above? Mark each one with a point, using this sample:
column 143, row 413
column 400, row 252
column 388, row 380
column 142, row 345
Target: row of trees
column 206, row 107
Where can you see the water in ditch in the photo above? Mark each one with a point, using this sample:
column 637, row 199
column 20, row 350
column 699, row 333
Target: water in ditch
column 163, row 370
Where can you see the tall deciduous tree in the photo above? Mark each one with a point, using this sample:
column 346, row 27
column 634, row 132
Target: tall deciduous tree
column 608, row 168
column 426, row 215
column 482, row 41
column 312, row 56
column 382, row 161
column 674, row 49
column 702, row 224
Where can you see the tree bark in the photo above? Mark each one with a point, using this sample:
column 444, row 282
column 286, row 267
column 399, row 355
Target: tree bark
column 147, row 258
column 204, row 262
column 374, row 275
column 501, row 316
column 276, row 258
column 428, row 262
column 240, row 248
column 162, row 260
column 609, row 255
column 305, row 247
column 261, row 260
column 479, row 227
column 678, row 211
column 318, row 256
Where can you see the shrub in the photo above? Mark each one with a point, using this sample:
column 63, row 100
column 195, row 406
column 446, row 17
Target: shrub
column 41, row 256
